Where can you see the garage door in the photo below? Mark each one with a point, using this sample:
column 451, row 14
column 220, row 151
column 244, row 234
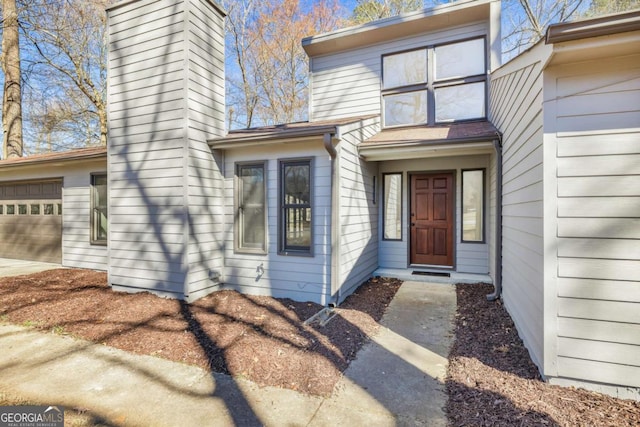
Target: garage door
column 31, row 220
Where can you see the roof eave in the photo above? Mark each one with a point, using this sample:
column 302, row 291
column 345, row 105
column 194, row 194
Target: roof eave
column 424, row 149
column 48, row 161
column 596, row 27
column 399, row 26
column 290, row 136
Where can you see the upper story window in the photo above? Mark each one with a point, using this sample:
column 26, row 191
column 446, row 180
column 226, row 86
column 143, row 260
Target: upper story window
column 436, row 84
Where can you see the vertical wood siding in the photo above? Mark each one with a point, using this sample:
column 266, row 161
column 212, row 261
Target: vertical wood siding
column 516, row 109
column 302, row 278
column 596, row 130
column 358, row 213
column 160, row 113
column 347, row 84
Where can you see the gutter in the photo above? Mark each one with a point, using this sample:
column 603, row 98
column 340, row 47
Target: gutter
column 497, row 280
column 275, row 137
column 596, row 27
column 335, row 218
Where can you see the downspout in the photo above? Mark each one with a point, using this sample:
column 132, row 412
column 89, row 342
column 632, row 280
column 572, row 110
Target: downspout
column 497, row 280
column 335, row 220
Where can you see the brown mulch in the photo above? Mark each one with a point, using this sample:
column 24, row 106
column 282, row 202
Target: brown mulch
column 492, row 381
column 259, row 338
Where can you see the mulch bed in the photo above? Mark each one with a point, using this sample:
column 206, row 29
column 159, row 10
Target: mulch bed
column 260, row 338
column 492, row 381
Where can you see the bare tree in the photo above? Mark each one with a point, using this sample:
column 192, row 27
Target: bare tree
column 12, row 99
column 603, row 7
column 283, row 83
column 268, row 77
column 69, row 38
column 524, row 22
column 242, row 94
column 370, row 10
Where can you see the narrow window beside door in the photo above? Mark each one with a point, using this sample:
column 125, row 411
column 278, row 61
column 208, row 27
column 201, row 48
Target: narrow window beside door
column 99, row 215
column 392, row 219
column 473, row 205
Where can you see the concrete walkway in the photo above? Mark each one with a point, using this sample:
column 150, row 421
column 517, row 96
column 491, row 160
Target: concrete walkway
column 16, row 267
column 397, row 378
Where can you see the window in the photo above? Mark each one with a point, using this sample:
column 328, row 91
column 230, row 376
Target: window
column 99, row 215
column 22, row 209
column 48, row 208
column 473, row 205
column 35, row 209
column 392, row 208
column 1, row 209
column 251, row 208
column 11, row 209
column 295, row 207
column 436, row 84
column 59, row 208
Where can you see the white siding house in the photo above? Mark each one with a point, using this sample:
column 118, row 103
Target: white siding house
column 72, row 171
column 347, row 78
column 516, row 109
column 569, row 110
column 422, row 156
column 166, row 96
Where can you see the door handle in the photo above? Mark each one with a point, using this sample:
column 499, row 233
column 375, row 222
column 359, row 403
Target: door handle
column 413, row 224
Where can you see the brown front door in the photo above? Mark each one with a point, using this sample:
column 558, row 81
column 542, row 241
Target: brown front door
column 431, row 218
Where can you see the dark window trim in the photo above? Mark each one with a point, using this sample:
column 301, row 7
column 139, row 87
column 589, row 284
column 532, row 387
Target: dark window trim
column 295, row 251
column 92, row 237
column 384, row 205
column 484, row 206
column 374, row 189
column 237, row 248
column 432, row 84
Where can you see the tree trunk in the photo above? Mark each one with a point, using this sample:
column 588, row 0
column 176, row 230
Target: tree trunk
column 12, row 100
column 102, row 116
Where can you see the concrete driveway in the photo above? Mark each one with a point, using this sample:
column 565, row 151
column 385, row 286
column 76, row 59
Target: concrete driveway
column 17, row 267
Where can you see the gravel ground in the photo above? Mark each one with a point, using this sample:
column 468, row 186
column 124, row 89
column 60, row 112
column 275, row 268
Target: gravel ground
column 492, row 381
column 260, row 338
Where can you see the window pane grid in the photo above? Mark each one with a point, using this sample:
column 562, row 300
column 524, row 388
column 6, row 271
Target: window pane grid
column 437, row 84
column 473, row 205
column 295, row 205
column 392, row 221
column 99, row 213
column 251, row 208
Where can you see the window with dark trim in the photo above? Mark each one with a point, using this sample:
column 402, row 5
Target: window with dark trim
column 295, row 217
column 435, row 84
column 392, row 206
column 473, row 205
column 251, row 208
column 99, row 214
